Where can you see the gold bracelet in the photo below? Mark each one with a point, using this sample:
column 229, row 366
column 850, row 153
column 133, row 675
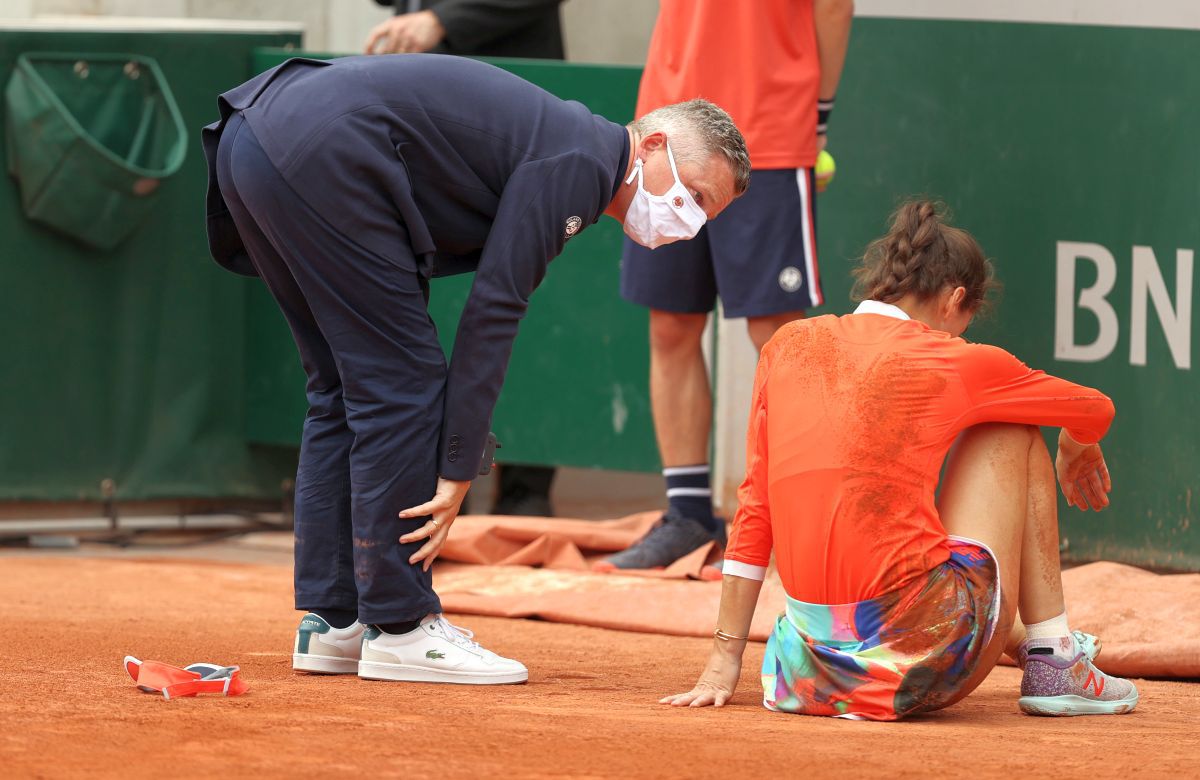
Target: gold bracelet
column 719, row 634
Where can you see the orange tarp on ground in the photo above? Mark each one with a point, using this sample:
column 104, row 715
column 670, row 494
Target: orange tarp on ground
column 557, row 543
column 1150, row 623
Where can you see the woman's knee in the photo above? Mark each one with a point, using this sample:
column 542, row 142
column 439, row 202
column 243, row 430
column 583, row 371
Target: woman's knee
column 1002, row 434
column 986, row 457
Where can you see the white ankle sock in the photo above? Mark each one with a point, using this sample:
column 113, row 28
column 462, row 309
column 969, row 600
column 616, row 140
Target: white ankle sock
column 1054, row 628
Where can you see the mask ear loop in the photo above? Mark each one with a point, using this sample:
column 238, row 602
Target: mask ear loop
column 671, row 159
column 637, row 171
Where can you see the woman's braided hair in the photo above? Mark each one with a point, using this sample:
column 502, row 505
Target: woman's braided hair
column 922, row 254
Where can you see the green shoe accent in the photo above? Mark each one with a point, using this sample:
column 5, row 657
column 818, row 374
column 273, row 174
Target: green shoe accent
column 311, row 624
column 372, row 632
column 435, row 655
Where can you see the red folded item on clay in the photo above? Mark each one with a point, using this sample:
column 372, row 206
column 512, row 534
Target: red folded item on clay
column 174, row 682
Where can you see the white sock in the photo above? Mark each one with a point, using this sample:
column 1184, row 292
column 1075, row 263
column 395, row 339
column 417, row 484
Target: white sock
column 1054, row 628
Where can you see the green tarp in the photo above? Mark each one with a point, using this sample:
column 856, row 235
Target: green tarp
column 129, row 364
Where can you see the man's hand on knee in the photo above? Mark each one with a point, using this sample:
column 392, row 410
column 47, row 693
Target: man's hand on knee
column 443, row 508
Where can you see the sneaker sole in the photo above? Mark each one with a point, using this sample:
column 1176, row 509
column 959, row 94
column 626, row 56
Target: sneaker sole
column 379, row 670
column 323, row 664
column 1064, row 706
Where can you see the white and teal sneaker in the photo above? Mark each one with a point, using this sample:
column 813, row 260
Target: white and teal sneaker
column 323, row 649
column 435, row 652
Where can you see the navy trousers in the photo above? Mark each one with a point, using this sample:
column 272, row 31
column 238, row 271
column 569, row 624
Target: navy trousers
column 376, row 381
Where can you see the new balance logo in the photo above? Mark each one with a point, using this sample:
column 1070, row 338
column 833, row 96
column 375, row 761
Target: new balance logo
column 1097, row 682
column 435, row 655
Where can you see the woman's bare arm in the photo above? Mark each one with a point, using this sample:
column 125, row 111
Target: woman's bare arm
column 739, row 596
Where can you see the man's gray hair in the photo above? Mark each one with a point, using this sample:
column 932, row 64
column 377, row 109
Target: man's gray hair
column 697, row 130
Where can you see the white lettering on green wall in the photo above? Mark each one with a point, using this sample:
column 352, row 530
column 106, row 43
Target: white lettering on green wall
column 1176, row 320
column 1174, row 316
column 1094, row 299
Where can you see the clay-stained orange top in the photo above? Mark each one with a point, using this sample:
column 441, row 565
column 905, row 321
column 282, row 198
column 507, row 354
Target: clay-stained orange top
column 850, row 422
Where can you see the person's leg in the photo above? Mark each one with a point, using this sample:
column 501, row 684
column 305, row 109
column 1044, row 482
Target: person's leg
column 676, row 283
column 393, row 379
column 681, row 401
column 372, row 314
column 324, row 571
column 999, row 489
column 763, row 328
column 680, row 396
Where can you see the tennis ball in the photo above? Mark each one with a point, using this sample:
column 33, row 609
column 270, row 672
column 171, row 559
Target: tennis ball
column 824, row 170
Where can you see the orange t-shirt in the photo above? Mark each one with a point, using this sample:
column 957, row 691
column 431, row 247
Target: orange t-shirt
column 851, row 420
column 757, row 59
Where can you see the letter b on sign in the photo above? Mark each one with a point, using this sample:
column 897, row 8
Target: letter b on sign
column 1093, row 298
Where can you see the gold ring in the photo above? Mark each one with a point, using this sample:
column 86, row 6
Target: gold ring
column 436, row 524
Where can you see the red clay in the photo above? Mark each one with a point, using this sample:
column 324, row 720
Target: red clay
column 588, row 711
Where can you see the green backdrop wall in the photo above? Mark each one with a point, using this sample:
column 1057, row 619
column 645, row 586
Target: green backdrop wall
column 129, row 364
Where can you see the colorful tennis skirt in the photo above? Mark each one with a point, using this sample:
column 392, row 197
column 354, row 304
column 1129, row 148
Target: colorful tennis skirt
column 905, row 652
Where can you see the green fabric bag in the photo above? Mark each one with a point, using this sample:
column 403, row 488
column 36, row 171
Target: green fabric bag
column 90, row 139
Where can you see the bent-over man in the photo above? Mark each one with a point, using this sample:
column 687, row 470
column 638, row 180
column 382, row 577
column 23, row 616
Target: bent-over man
column 345, row 185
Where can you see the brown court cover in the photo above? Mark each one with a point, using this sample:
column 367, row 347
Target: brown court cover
column 539, row 568
column 559, row 543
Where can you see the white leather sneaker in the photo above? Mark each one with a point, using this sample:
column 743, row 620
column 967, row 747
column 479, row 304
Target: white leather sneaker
column 323, row 649
column 437, row 652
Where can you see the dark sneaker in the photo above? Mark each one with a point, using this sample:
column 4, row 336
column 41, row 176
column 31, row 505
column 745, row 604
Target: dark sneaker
column 1060, row 679
column 524, row 490
column 674, row 537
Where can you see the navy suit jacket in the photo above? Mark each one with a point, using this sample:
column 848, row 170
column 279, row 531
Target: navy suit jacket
column 442, row 165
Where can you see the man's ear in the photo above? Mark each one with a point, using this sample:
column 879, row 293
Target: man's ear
column 653, row 141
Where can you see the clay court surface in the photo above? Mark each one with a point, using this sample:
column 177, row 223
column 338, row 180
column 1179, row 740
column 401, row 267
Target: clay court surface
column 589, row 709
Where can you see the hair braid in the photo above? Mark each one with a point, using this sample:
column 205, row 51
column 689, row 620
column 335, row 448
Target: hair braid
column 922, row 254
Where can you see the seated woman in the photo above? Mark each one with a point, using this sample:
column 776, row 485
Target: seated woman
column 900, row 602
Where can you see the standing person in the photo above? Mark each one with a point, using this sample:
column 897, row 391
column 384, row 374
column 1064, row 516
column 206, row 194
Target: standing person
column 775, row 66
column 482, row 28
column 479, row 28
column 900, row 600
column 345, row 185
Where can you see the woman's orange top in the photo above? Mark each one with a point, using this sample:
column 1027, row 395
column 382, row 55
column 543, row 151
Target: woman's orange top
column 850, row 422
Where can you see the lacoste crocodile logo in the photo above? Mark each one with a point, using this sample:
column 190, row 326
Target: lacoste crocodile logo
column 435, row 655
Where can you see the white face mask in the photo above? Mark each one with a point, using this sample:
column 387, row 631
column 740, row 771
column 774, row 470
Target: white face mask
column 654, row 220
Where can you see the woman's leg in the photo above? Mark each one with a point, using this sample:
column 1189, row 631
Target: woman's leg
column 999, row 489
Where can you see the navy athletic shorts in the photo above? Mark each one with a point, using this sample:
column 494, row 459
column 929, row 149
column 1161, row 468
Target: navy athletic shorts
column 759, row 255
